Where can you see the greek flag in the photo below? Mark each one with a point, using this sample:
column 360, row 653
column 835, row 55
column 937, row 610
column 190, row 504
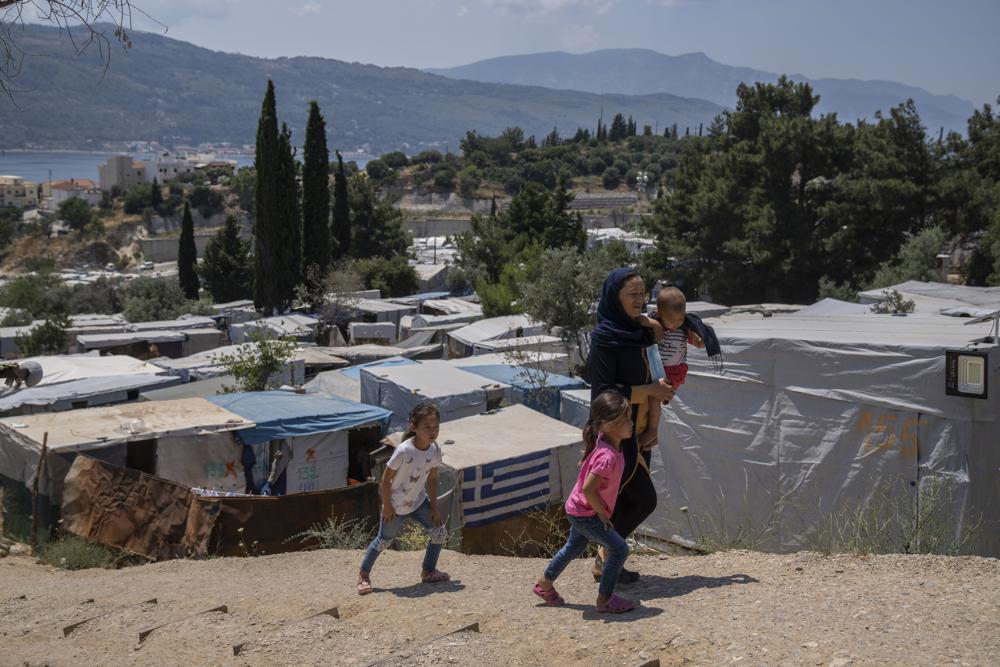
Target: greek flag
column 503, row 489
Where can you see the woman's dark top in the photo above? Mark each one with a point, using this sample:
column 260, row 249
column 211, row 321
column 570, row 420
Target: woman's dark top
column 619, row 368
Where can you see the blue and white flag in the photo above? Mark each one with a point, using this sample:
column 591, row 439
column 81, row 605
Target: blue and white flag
column 503, row 489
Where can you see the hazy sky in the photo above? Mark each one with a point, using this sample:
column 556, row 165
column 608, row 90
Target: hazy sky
column 945, row 46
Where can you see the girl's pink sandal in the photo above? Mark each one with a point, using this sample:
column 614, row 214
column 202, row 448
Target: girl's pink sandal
column 365, row 587
column 435, row 577
column 551, row 597
column 615, row 605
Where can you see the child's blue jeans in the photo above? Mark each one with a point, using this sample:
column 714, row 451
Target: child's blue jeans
column 584, row 529
column 388, row 530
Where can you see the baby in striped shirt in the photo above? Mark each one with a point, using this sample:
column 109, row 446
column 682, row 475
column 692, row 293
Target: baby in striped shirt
column 672, row 342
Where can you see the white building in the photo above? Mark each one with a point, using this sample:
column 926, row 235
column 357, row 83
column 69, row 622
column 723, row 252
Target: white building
column 56, row 192
column 17, row 192
column 167, row 168
column 121, row 171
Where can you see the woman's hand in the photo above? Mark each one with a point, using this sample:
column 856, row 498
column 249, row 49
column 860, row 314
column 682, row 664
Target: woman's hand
column 662, row 390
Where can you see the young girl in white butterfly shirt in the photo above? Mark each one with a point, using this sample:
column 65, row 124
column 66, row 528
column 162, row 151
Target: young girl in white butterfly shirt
column 409, row 491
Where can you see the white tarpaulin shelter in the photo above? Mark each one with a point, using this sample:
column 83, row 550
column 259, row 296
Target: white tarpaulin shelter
column 550, row 362
column 983, row 297
column 525, row 345
column 814, row 417
column 380, row 310
column 456, row 393
column 293, row 325
column 575, row 408
column 461, row 341
column 209, row 364
column 369, row 331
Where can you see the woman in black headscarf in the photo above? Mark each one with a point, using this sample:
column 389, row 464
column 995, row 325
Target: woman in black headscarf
column 617, row 361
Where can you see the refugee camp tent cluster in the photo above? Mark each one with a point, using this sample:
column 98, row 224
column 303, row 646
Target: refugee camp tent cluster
column 463, row 390
column 817, row 415
column 70, row 382
column 189, row 450
column 462, row 342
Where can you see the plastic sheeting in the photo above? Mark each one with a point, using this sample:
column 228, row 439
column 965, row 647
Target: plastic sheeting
column 495, row 328
column 99, row 341
column 355, row 371
column 535, row 389
column 372, row 330
column 456, row 393
column 552, row 362
column 813, row 418
column 282, row 414
column 832, row 307
column 575, row 407
column 522, row 345
column 66, row 367
column 985, row 297
column 92, row 391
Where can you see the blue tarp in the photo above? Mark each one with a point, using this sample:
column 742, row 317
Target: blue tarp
column 283, row 414
column 354, row 372
column 532, row 388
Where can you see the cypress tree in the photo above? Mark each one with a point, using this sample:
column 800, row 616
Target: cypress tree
column 287, row 251
column 341, row 225
column 267, row 166
column 155, row 196
column 187, row 256
column 315, row 197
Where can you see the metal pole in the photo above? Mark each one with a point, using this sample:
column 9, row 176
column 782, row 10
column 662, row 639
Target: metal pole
column 34, row 493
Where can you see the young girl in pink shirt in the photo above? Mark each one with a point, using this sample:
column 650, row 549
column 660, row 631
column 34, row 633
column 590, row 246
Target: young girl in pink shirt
column 592, row 501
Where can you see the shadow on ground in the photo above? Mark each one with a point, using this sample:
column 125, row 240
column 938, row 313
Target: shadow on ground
column 652, row 586
column 421, row 589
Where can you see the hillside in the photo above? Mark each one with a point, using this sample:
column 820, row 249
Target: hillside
column 642, row 71
column 174, row 92
column 723, row 609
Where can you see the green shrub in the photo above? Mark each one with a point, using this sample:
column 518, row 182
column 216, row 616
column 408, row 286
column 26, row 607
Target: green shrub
column 74, row 553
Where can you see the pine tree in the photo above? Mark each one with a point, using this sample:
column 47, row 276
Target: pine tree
column 226, row 266
column 315, row 197
column 266, row 201
column 287, row 252
column 341, row 225
column 187, row 257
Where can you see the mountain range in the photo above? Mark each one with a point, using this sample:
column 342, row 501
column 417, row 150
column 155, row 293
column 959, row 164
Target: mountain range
column 175, row 92
column 695, row 75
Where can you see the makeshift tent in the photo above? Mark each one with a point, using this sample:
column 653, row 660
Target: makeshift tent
column 501, row 466
column 431, row 276
column 461, row 341
column 451, row 307
column 368, row 332
column 77, row 394
column 355, row 371
column 832, row 308
column 378, row 310
column 524, row 345
column 316, row 431
column 210, row 364
column 136, row 435
column 418, row 299
column 533, row 388
column 551, row 362
column 575, row 407
column 816, row 416
column 71, row 382
column 455, row 392
column 180, row 324
column 293, row 325
column 987, row 298
column 199, row 389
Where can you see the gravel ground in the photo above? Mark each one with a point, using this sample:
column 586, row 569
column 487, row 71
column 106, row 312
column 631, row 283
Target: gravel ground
column 726, row 608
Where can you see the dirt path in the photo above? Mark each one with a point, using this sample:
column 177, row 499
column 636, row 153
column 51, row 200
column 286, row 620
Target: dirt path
column 727, row 608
